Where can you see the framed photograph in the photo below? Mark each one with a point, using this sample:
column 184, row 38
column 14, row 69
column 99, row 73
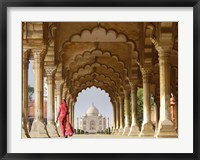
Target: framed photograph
column 99, row 79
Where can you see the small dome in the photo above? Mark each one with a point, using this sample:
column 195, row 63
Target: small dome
column 92, row 111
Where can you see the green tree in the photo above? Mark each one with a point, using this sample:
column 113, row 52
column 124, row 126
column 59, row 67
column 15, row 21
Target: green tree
column 109, row 130
column 78, row 131
column 140, row 106
column 30, row 92
column 82, row 132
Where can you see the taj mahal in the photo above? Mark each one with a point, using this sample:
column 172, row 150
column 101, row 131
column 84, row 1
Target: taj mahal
column 92, row 121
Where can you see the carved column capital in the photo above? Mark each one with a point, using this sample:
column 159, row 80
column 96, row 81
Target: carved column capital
column 39, row 55
column 50, row 71
column 146, row 72
column 26, row 55
column 119, row 97
column 59, row 84
column 133, row 86
column 126, row 94
column 64, row 92
column 115, row 102
column 38, row 58
column 163, row 53
column 25, row 58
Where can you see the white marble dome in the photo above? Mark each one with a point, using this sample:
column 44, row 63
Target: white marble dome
column 92, row 111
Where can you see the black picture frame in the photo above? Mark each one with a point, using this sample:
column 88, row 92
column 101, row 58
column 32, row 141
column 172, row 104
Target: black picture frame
column 4, row 4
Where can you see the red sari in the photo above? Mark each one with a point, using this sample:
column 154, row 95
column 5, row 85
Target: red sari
column 68, row 128
column 65, row 125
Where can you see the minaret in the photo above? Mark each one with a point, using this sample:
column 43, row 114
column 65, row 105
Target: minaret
column 108, row 122
column 77, row 123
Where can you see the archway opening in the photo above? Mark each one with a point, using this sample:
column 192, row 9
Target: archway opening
column 93, row 105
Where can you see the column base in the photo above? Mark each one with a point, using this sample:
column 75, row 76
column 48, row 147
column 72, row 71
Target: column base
column 38, row 130
column 59, row 130
column 116, row 131
column 52, row 130
column 147, row 130
column 113, row 132
column 134, row 131
column 25, row 133
column 121, row 130
column 126, row 131
column 166, row 129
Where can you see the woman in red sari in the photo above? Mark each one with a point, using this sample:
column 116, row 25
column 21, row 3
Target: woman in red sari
column 68, row 128
column 63, row 116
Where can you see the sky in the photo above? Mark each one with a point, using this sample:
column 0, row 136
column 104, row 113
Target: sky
column 98, row 97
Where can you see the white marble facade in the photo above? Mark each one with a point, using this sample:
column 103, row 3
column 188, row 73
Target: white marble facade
column 92, row 121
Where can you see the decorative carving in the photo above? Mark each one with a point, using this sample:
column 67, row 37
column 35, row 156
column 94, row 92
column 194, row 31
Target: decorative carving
column 127, row 94
column 59, row 85
column 50, row 70
column 25, row 57
column 146, row 72
column 39, row 58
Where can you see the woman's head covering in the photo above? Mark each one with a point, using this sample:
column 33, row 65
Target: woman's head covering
column 63, row 104
column 63, row 101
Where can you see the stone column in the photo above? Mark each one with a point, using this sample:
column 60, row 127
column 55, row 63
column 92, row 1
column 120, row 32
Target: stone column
column 176, row 117
column 72, row 113
column 117, row 116
column 134, row 131
column 121, row 110
column 165, row 126
column 59, row 85
column 51, row 126
column 69, row 106
column 70, row 110
column 64, row 93
column 127, row 113
column 156, row 116
column 55, row 103
column 38, row 128
column 147, row 126
column 25, row 133
column 114, row 119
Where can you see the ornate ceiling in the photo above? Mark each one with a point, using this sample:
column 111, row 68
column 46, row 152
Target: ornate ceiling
column 107, row 55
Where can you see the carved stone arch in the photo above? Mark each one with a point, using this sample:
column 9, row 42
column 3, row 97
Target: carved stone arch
column 74, row 66
column 69, row 82
column 126, row 84
column 89, row 81
column 150, row 30
column 99, row 77
column 88, row 69
column 99, row 34
column 89, row 85
column 98, row 87
column 98, row 84
column 51, row 34
column 93, row 75
column 59, row 73
column 94, row 56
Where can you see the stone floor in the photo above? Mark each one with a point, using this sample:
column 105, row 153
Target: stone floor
column 77, row 136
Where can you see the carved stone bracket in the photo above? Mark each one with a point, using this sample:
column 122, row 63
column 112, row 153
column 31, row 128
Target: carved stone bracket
column 25, row 58
column 59, row 84
column 146, row 72
column 39, row 58
column 50, row 70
